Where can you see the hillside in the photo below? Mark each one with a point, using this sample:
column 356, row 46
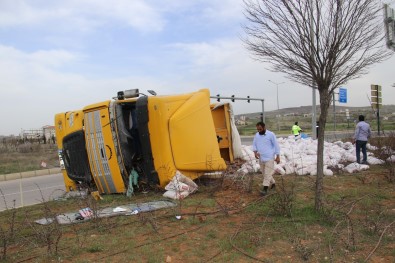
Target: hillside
column 385, row 110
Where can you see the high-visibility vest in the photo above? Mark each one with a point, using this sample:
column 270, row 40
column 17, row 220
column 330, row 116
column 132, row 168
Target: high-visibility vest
column 296, row 129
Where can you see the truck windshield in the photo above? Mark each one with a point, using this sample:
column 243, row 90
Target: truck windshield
column 75, row 157
column 128, row 134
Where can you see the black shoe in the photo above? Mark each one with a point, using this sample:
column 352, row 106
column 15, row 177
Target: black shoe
column 264, row 191
column 364, row 162
column 273, row 186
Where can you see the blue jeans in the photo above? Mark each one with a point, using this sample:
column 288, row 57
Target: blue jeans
column 361, row 145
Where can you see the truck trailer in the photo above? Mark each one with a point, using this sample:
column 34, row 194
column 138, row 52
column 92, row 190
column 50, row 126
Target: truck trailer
column 148, row 137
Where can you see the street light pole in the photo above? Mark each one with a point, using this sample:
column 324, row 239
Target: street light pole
column 313, row 107
column 278, row 104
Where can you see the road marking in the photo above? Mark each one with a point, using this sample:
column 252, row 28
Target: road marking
column 27, row 191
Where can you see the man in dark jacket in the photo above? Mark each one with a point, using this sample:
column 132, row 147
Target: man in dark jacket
column 361, row 136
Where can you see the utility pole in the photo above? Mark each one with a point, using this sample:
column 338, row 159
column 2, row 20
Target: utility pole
column 376, row 102
column 389, row 23
column 278, row 104
column 334, row 112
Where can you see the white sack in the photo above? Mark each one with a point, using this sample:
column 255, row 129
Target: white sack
column 339, row 143
column 180, row 187
column 351, row 158
column 373, row 160
column 391, row 159
column 289, row 169
column 371, row 147
column 278, row 169
column 328, row 172
column 247, row 153
column 348, row 145
column 300, row 156
column 355, row 167
column 176, row 195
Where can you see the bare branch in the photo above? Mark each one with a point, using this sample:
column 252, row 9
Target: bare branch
column 319, row 43
column 378, row 243
column 347, row 38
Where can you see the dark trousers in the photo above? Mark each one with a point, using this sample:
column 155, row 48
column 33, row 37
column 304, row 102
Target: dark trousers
column 361, row 145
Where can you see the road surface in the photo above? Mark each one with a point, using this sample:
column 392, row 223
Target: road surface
column 30, row 191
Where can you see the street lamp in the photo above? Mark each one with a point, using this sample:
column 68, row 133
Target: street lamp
column 313, row 108
column 278, row 106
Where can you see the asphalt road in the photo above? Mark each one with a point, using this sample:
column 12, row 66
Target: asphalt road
column 30, row 191
column 246, row 140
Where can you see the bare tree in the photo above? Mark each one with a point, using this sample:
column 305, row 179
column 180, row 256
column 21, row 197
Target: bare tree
column 319, row 43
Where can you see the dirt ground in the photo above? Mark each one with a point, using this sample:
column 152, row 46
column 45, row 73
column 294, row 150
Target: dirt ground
column 226, row 220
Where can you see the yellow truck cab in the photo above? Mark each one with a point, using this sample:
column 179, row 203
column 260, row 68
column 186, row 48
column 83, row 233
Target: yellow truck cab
column 102, row 144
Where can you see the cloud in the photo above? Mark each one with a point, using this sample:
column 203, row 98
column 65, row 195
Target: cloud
column 214, row 54
column 64, row 55
column 228, row 69
column 18, row 68
column 225, row 67
column 35, row 86
column 223, row 10
column 80, row 15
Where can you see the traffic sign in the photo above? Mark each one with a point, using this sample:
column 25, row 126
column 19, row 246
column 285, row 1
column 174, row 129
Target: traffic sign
column 375, row 93
column 376, row 97
column 375, row 87
column 376, row 100
column 342, row 95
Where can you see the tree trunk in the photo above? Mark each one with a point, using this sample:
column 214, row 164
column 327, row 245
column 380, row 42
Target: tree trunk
column 325, row 100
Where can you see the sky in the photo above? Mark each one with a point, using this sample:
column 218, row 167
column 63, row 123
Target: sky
column 58, row 56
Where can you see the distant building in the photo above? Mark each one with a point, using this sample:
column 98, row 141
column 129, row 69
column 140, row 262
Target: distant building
column 240, row 122
column 37, row 134
column 31, row 134
column 49, row 132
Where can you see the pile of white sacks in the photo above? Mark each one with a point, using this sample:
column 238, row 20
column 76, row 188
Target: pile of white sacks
column 300, row 157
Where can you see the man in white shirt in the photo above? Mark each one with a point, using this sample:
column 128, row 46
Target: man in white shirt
column 266, row 149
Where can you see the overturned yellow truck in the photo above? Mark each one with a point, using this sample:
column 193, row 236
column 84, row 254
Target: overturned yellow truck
column 104, row 144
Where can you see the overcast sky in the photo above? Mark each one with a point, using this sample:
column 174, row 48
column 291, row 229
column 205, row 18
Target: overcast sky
column 57, row 56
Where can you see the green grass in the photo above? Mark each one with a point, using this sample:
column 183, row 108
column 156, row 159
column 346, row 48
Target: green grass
column 285, row 124
column 95, row 248
column 207, row 233
column 23, row 158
